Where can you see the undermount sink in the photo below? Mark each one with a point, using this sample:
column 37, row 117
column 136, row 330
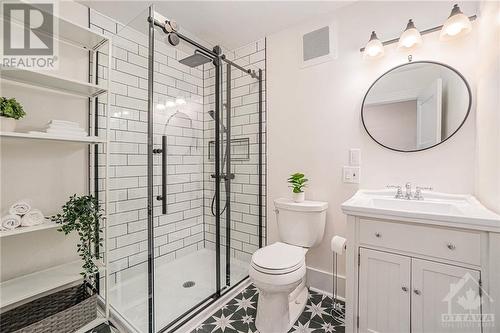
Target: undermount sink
column 455, row 208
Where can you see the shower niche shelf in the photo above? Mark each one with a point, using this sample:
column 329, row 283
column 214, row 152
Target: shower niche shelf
column 240, row 149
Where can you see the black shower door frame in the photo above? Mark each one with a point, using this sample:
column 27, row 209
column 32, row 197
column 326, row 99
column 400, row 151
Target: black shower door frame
column 218, row 60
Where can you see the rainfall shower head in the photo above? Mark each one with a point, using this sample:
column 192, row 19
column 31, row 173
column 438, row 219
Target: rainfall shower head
column 195, row 60
column 212, row 114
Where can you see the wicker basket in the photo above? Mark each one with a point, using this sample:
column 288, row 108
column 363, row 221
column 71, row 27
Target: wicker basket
column 64, row 311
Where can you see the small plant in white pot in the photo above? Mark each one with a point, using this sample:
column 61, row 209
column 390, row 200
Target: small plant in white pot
column 10, row 111
column 297, row 182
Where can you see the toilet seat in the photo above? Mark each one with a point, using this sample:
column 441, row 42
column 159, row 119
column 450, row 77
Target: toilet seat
column 278, row 264
column 279, row 258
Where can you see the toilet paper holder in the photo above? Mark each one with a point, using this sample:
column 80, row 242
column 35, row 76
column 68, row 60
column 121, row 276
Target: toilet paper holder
column 338, row 246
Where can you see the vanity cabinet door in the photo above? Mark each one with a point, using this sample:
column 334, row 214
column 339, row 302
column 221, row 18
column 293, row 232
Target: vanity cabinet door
column 384, row 292
column 440, row 291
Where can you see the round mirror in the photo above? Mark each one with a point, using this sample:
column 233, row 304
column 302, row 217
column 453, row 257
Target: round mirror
column 416, row 106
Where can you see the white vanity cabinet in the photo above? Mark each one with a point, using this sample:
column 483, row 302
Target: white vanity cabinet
column 420, row 273
column 420, row 276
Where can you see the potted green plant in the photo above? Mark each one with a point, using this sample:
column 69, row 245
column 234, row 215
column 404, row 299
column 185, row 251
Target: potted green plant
column 297, row 182
column 83, row 215
column 10, row 111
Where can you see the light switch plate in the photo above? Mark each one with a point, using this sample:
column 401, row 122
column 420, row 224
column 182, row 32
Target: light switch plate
column 354, row 156
column 350, row 174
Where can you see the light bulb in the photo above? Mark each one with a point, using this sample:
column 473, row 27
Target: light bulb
column 169, row 104
column 374, row 48
column 160, row 106
column 410, row 38
column 456, row 25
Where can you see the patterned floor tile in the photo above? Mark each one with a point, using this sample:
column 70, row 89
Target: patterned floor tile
column 238, row 315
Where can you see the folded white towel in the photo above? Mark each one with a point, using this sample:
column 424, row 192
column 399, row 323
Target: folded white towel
column 67, row 133
column 33, row 217
column 67, row 129
column 11, row 221
column 65, row 123
column 20, row 207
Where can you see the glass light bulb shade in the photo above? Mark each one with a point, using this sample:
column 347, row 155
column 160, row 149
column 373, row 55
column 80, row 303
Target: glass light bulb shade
column 374, row 48
column 410, row 39
column 455, row 26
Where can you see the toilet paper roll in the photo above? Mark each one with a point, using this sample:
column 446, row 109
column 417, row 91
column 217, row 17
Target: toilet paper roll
column 338, row 244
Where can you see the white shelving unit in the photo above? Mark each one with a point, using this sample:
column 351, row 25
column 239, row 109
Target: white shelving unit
column 51, row 81
column 36, row 136
column 23, row 230
column 25, row 288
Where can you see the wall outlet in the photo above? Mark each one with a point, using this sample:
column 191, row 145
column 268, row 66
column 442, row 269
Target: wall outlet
column 350, row 174
column 354, row 156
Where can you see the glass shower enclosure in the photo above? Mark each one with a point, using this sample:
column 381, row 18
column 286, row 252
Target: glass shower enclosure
column 186, row 184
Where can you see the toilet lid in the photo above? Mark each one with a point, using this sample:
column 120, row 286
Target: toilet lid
column 279, row 256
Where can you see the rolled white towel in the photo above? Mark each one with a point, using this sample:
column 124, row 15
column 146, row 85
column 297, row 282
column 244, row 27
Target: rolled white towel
column 11, row 221
column 20, row 207
column 33, row 217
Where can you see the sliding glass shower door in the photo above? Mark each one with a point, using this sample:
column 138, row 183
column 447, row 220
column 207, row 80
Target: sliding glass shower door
column 185, row 266
column 185, row 174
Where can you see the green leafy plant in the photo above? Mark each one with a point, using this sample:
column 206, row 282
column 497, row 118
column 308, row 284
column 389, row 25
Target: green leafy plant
column 297, row 182
column 83, row 214
column 10, row 108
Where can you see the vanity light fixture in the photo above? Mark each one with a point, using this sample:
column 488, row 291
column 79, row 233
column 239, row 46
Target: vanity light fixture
column 374, row 48
column 410, row 38
column 456, row 25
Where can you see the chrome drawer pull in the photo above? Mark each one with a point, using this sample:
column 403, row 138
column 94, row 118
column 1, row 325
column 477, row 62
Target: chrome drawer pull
column 404, row 289
column 416, row 291
column 451, row 246
column 378, row 235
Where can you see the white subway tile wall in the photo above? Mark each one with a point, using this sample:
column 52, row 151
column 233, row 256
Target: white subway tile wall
column 244, row 227
column 188, row 225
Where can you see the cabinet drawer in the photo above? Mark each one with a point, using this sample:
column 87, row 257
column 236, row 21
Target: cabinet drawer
column 447, row 244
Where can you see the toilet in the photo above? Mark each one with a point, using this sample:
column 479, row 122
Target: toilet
column 279, row 270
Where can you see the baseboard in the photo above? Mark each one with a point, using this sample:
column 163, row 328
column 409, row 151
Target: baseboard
column 322, row 281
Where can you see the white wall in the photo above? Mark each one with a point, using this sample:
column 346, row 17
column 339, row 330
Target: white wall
column 314, row 113
column 488, row 102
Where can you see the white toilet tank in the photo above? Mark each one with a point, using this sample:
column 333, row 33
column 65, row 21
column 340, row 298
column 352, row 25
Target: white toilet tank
column 301, row 223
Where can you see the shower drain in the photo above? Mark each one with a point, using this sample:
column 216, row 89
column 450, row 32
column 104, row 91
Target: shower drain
column 188, row 284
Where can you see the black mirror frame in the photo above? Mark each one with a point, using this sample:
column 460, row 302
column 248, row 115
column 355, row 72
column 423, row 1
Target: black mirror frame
column 406, row 64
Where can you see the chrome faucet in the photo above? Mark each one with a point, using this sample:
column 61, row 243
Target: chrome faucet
column 408, row 194
column 418, row 192
column 399, row 192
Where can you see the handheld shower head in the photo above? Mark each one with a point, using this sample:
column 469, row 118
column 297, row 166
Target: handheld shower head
column 212, row 115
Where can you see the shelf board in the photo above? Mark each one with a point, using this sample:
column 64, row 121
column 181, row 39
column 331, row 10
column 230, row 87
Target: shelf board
column 51, row 81
column 36, row 136
column 23, row 289
column 72, row 33
column 23, row 230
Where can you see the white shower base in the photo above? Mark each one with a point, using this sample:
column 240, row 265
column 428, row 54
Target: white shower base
column 129, row 296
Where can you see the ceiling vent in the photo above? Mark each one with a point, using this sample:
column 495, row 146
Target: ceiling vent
column 317, row 46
